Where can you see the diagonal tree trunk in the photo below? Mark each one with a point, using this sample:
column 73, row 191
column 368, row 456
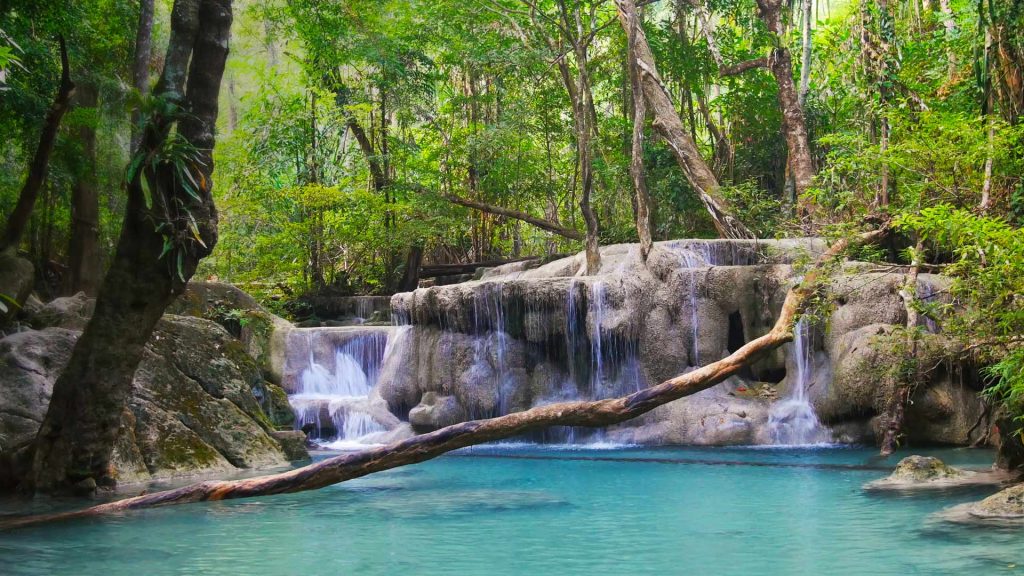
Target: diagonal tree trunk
column 19, row 217
column 546, row 225
column 76, row 439
column 421, row 448
column 670, row 126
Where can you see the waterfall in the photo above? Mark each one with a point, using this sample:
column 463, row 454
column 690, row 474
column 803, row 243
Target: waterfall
column 332, row 399
column 695, row 255
column 792, row 420
column 595, row 311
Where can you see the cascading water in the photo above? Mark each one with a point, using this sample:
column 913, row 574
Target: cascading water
column 695, row 255
column 332, row 403
column 792, row 420
column 595, row 305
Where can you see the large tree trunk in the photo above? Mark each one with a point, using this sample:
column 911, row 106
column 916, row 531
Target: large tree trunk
column 793, row 127
column 904, row 384
column 140, row 64
column 19, row 217
column 636, row 165
column 597, row 413
column 75, row 441
column 84, row 270
column 670, row 126
column 780, row 63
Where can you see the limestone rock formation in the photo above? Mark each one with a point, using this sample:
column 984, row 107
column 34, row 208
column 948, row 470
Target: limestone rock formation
column 525, row 334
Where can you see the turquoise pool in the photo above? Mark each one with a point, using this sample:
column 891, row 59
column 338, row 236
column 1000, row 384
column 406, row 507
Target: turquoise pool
column 528, row 510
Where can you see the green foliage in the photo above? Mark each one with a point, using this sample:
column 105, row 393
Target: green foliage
column 988, row 270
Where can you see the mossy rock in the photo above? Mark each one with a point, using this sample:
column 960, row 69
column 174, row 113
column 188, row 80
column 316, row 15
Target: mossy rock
column 1008, row 504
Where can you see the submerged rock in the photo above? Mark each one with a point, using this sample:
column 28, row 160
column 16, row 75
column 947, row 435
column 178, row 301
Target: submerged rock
column 1008, row 504
column 927, row 472
column 1002, row 509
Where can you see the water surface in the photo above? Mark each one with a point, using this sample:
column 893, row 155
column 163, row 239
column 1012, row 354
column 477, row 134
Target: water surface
column 502, row 510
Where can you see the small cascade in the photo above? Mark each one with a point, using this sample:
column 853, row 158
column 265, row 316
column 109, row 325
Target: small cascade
column 695, row 255
column 331, row 392
column 792, row 421
column 595, row 313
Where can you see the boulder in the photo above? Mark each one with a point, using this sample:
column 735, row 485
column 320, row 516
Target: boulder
column 293, row 442
column 70, row 312
column 927, row 472
column 1007, row 504
column 435, row 411
column 17, row 276
column 193, row 407
column 263, row 333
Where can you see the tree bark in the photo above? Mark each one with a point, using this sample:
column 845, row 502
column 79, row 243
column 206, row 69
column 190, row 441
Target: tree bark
column 547, row 225
column 636, row 164
column 140, row 64
column 807, row 38
column 740, row 68
column 84, row 272
column 19, row 217
column 794, row 127
column 670, row 126
column 598, row 413
column 896, row 409
column 75, row 441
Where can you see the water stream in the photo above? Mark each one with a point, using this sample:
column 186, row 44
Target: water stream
column 792, row 420
column 331, row 399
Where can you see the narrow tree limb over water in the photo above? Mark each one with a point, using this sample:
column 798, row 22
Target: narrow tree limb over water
column 597, row 413
column 541, row 223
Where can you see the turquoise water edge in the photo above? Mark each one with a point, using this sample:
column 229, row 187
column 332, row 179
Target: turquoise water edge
column 498, row 510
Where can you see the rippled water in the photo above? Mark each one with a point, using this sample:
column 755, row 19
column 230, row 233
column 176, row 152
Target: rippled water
column 524, row 510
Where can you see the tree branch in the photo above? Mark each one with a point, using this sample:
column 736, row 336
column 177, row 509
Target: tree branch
column 737, row 69
column 549, row 226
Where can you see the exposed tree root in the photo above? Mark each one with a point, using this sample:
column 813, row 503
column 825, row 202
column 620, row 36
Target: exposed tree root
column 598, row 413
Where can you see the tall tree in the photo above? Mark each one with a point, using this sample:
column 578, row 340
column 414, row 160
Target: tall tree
column 780, row 64
column 84, row 247
column 18, row 220
column 170, row 224
column 670, row 126
column 140, row 63
column 642, row 201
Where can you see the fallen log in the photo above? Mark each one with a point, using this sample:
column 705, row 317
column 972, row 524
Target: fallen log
column 597, row 413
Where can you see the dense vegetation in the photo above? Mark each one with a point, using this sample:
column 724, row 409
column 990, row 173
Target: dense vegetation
column 359, row 139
